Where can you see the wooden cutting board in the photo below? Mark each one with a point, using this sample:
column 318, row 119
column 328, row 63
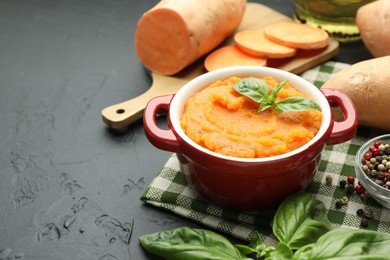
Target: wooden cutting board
column 256, row 16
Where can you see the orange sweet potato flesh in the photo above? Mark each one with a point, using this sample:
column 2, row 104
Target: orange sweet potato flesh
column 295, row 35
column 175, row 33
column 231, row 55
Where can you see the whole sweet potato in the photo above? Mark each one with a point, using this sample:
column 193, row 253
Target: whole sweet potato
column 367, row 83
column 174, row 33
column 373, row 21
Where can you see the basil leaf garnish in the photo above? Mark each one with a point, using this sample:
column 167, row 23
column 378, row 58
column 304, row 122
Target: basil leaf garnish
column 296, row 104
column 255, row 89
column 277, row 88
column 264, row 106
column 259, row 91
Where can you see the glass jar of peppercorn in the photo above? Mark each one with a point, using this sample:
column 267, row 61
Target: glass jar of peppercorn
column 372, row 167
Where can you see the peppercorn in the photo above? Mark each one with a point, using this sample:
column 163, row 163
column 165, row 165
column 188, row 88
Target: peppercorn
column 350, row 179
column 344, row 200
column 363, row 197
column 375, row 151
column 343, row 183
column 374, row 173
column 367, row 156
column 350, row 188
column 375, row 164
column 359, row 189
column 379, row 182
column 360, row 212
column 329, row 180
column 339, row 204
column 368, row 213
column 364, row 222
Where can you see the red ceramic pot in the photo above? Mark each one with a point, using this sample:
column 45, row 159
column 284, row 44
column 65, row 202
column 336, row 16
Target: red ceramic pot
column 242, row 183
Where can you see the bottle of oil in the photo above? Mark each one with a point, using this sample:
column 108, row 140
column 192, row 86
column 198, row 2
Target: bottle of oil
column 337, row 17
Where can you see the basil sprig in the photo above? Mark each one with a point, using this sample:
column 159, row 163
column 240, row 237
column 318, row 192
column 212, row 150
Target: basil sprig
column 259, row 91
column 301, row 227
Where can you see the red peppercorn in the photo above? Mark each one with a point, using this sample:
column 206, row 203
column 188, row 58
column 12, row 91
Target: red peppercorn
column 350, row 179
column 375, row 151
column 377, row 144
column 359, row 189
column 367, row 156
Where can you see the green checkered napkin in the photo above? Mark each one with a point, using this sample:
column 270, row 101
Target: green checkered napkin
column 170, row 190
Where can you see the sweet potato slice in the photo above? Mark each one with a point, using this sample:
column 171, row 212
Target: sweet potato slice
column 255, row 43
column 229, row 56
column 175, row 33
column 295, row 35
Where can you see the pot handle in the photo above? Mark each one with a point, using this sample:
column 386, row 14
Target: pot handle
column 345, row 130
column 163, row 139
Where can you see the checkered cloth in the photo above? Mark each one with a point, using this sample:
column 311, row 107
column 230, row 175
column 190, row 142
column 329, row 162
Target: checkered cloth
column 170, row 190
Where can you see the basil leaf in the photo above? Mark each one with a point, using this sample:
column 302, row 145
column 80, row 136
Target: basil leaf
column 189, row 243
column 347, row 244
column 300, row 220
column 256, row 246
column 296, row 104
column 283, row 252
column 261, row 251
column 264, row 105
column 277, row 88
column 255, row 89
column 258, row 90
column 303, row 253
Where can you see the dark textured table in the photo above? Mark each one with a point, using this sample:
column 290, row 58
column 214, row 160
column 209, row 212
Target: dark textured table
column 70, row 186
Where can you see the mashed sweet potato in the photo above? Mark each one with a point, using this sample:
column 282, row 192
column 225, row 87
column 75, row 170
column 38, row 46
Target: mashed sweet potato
column 224, row 121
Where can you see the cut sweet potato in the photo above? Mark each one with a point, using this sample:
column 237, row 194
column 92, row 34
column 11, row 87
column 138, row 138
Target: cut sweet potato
column 175, row 33
column 297, row 35
column 255, row 43
column 231, row 56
